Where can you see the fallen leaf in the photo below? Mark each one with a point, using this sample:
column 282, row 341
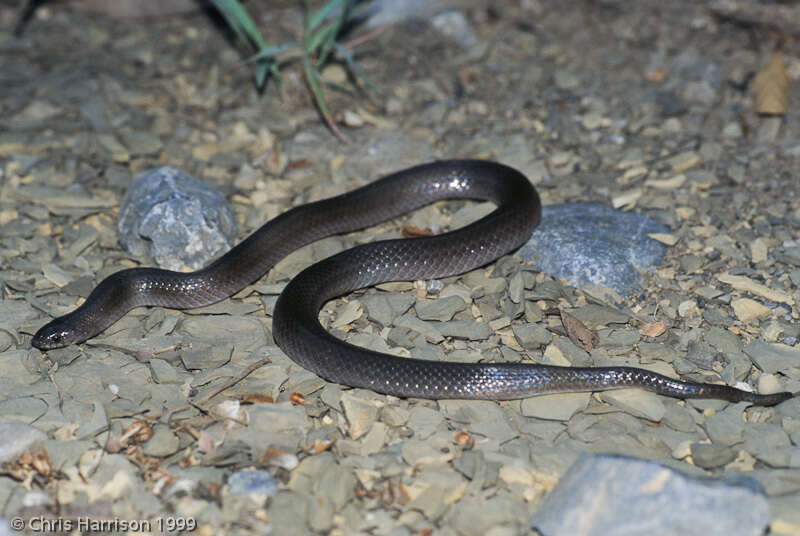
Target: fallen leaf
column 582, row 336
column 771, row 87
column 257, row 398
column 653, row 329
column 279, row 458
column 463, row 439
column 412, row 231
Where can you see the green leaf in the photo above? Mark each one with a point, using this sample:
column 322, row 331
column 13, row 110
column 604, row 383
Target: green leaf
column 270, row 52
column 316, row 39
column 354, row 67
column 240, row 22
column 319, row 97
column 322, row 13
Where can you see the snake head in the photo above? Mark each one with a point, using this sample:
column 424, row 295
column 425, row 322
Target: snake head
column 54, row 334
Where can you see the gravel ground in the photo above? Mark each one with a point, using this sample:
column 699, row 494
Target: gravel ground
column 645, row 106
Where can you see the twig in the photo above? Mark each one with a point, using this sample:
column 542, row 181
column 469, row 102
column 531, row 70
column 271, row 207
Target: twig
column 233, row 381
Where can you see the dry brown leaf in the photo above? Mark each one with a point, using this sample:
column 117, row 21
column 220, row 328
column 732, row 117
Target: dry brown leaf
column 319, row 445
column 412, row 231
column 27, row 464
column 653, row 329
column 463, row 439
column 771, row 87
column 41, row 462
column 582, row 336
column 257, row 398
column 279, row 458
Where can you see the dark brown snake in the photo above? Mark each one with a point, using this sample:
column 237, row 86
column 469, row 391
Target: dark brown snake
column 296, row 328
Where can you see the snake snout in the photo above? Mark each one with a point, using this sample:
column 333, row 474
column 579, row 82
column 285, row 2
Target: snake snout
column 53, row 335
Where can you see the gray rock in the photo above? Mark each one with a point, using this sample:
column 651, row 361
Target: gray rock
column 278, row 425
column 383, row 307
column 692, row 66
column 531, row 336
column 140, row 142
column 489, row 307
column 481, row 417
column 465, row 329
column 637, row 402
column 472, row 411
column 163, row 372
column 516, row 287
column 16, row 438
column 243, row 332
column 777, row 482
column 710, row 456
column 772, row 358
column 204, row 358
column 361, row 413
column 764, row 437
column 65, row 454
column 785, row 513
column 477, row 516
column 726, row 427
column 593, row 315
column 557, row 407
column 578, row 357
column 423, row 421
column 427, row 329
column 245, row 482
column 369, row 444
column 439, row 485
column 593, row 498
column 175, row 219
column 591, row 243
column 441, row 309
column 566, row 80
column 788, row 457
column 454, row 24
column 651, row 351
column 15, row 312
column 670, row 104
column 163, row 443
column 288, row 513
column 98, row 422
column 395, row 415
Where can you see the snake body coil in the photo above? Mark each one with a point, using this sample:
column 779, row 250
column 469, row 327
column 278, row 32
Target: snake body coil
column 296, row 328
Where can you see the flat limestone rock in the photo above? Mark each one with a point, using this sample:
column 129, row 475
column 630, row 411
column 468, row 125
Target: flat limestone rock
column 593, row 498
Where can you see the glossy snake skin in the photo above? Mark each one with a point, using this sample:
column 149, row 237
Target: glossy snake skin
column 296, row 328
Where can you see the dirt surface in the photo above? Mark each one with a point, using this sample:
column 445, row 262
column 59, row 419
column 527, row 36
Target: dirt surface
column 647, row 106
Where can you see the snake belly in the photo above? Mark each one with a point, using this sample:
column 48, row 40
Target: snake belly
column 296, row 328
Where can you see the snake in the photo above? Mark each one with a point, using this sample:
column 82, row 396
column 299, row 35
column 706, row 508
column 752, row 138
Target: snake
column 296, row 328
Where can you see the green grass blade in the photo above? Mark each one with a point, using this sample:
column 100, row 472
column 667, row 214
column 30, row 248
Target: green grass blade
column 344, row 14
column 270, row 52
column 351, row 62
column 322, row 13
column 240, row 22
column 313, row 82
column 315, row 41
